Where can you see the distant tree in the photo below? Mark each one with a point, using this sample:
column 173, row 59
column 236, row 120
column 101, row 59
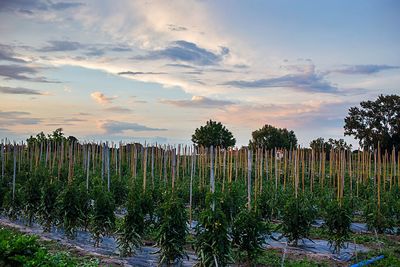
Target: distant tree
column 72, row 139
column 376, row 121
column 56, row 136
column 319, row 144
column 339, row 144
column 270, row 137
column 213, row 134
column 39, row 138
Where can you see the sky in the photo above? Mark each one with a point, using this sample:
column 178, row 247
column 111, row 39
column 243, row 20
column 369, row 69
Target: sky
column 154, row 71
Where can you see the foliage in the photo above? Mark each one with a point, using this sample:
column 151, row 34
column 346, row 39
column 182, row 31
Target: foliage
column 69, row 209
column 129, row 234
column 13, row 207
column 376, row 121
column 32, row 198
column 380, row 217
column 268, row 204
column 23, row 250
column 232, row 200
column 171, row 236
column 298, row 215
column 270, row 137
column 320, row 143
column 248, row 234
column 213, row 134
column 103, row 219
column 57, row 136
column 337, row 220
column 212, row 243
column 47, row 209
column 119, row 189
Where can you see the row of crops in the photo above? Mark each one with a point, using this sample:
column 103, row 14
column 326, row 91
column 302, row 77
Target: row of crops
column 231, row 195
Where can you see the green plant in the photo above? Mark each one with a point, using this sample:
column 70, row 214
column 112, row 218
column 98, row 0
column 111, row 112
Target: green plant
column 103, row 219
column 379, row 217
column 212, row 243
column 69, row 212
column 18, row 249
column 129, row 233
column 248, row 234
column 47, row 208
column 31, row 198
column 171, row 237
column 232, row 200
column 213, row 134
column 267, row 205
column 298, row 215
column 337, row 220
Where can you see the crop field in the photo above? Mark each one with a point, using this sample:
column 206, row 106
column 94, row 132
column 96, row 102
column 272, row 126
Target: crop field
column 143, row 205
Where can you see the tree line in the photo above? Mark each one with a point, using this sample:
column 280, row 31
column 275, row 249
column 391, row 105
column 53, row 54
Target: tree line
column 374, row 122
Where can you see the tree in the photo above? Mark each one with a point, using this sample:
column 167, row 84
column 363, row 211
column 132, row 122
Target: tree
column 319, row 144
column 213, row 134
column 56, row 136
column 270, row 137
column 376, row 121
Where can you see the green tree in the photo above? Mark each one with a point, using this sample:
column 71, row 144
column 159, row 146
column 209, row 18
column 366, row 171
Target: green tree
column 375, row 121
column 213, row 134
column 56, row 136
column 270, row 137
column 319, row 144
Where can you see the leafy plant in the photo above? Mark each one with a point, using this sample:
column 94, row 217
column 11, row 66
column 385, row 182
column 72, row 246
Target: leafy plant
column 103, row 218
column 232, row 200
column 129, row 234
column 298, row 215
column 18, row 249
column 48, row 209
column 248, row 234
column 267, row 205
column 379, row 217
column 212, row 243
column 213, row 134
column 337, row 220
column 69, row 210
column 31, row 198
column 172, row 232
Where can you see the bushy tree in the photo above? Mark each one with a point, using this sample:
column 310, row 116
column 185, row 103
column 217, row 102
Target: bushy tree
column 320, row 144
column 56, row 136
column 213, row 134
column 270, row 137
column 375, row 121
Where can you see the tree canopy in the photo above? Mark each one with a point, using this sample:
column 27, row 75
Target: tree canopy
column 270, row 137
column 213, row 134
column 320, row 143
column 56, row 136
column 375, row 121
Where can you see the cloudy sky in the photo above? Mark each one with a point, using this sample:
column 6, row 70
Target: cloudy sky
column 156, row 70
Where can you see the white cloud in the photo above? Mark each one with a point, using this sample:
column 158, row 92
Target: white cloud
column 101, row 98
